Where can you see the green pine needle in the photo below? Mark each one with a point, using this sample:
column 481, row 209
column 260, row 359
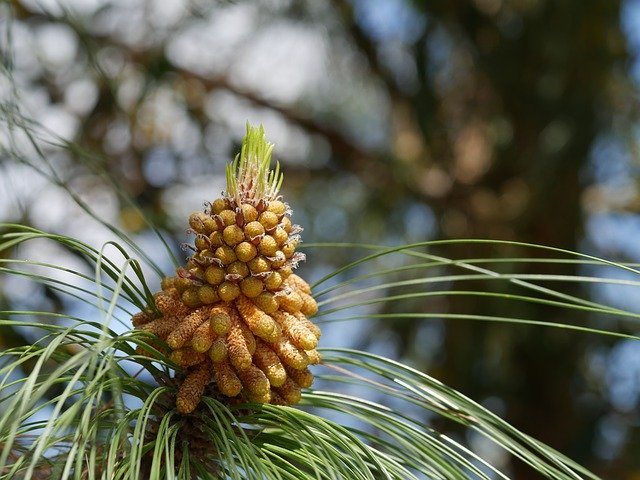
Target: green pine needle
column 96, row 431
column 71, row 408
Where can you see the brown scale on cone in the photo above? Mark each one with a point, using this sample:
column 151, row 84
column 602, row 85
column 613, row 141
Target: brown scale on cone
column 236, row 316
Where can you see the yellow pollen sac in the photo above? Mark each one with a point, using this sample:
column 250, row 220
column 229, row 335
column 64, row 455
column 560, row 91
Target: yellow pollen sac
column 214, row 275
column 266, row 302
column 246, row 251
column 285, row 271
column 191, row 262
column 267, row 361
column 167, row 282
column 208, row 294
column 290, row 392
column 191, row 298
column 268, row 246
column 259, row 265
column 202, row 338
column 286, row 224
column 280, row 236
column 228, row 291
column 253, row 229
column 201, row 242
column 169, row 304
column 187, row 357
column 209, row 225
column 160, row 327
column 237, row 348
column 192, row 388
column 298, row 283
column 251, row 287
column 216, row 239
column 261, row 324
column 262, row 398
column 268, row 220
column 278, row 260
column 238, row 268
column 225, row 254
column 203, row 256
column 276, row 206
column 276, row 399
column 296, row 330
column 290, row 354
column 309, row 306
column 233, row 235
column 184, row 331
column 140, row 319
column 218, row 350
column 226, row 379
column 254, row 380
column 195, row 270
column 218, row 205
column 219, row 321
column 290, row 302
column 314, row 357
column 288, row 249
column 312, row 327
column 249, row 213
column 228, row 217
column 248, row 335
column 196, row 221
column 303, row 378
column 182, row 284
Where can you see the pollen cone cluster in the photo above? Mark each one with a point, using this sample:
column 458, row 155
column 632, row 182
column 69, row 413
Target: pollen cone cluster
column 237, row 315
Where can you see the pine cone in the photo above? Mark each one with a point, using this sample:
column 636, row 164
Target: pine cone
column 236, row 315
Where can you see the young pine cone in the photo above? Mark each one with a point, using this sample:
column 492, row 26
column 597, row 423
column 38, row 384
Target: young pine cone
column 237, row 315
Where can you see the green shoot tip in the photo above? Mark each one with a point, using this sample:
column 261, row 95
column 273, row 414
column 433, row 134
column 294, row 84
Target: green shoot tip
column 249, row 177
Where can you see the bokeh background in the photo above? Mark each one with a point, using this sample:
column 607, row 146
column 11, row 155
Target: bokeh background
column 395, row 121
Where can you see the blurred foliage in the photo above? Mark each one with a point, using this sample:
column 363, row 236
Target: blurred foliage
column 396, row 121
